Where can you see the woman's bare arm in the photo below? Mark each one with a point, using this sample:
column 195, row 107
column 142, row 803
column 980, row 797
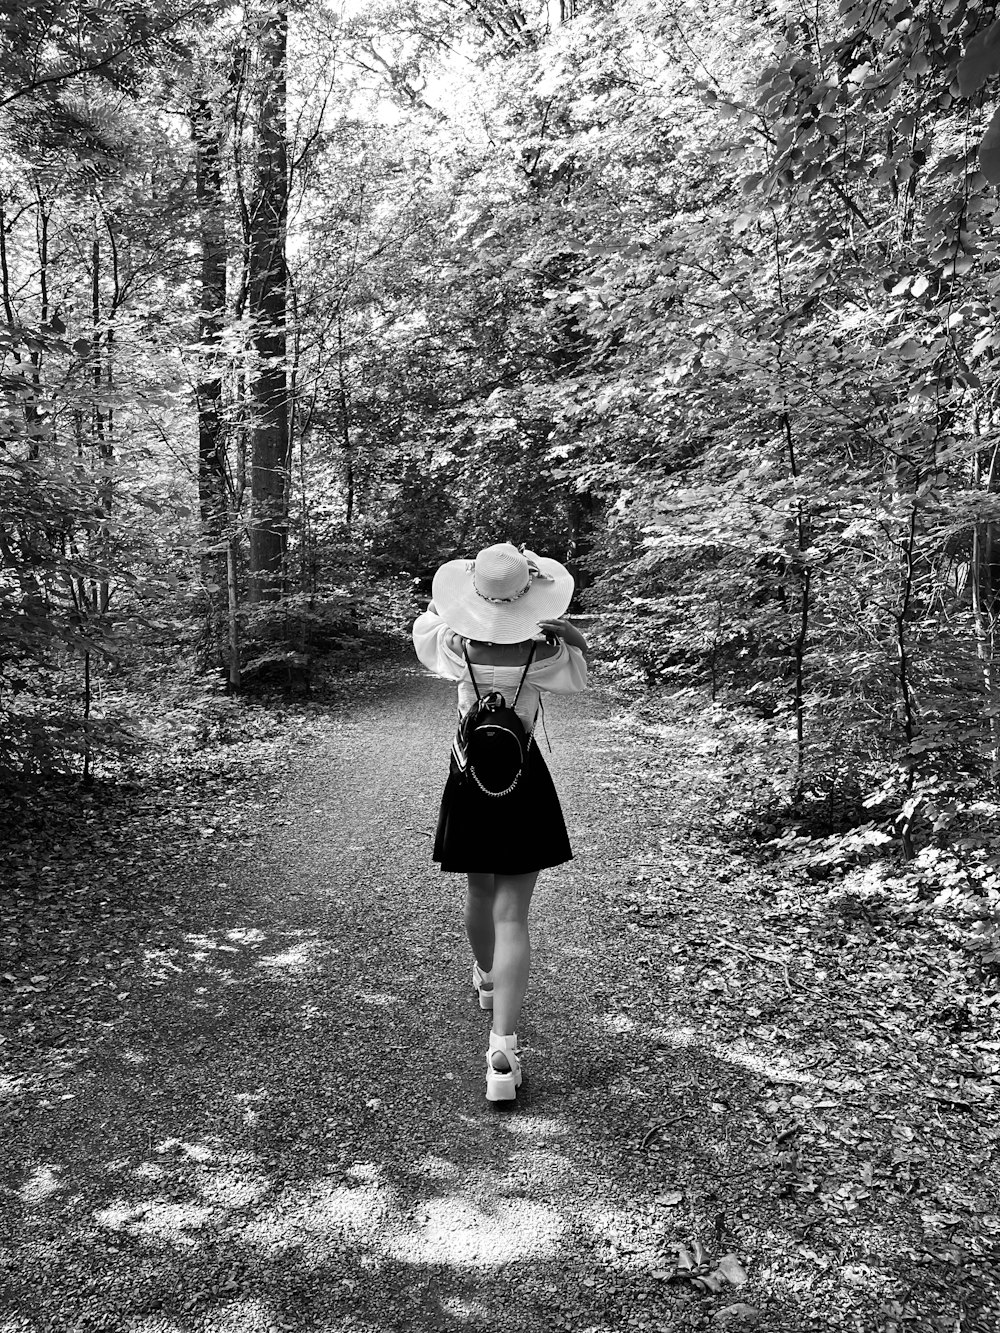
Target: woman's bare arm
column 562, row 629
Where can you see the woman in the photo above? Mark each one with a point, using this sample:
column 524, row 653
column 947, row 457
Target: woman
column 482, row 630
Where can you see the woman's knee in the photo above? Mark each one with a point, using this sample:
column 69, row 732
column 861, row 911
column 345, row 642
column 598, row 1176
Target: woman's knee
column 512, row 897
column 481, row 886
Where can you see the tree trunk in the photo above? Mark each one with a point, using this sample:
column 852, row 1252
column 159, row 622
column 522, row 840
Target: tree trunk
column 234, row 623
column 211, row 427
column 984, row 608
column 35, row 420
column 103, row 421
column 801, row 641
column 345, row 429
column 268, row 302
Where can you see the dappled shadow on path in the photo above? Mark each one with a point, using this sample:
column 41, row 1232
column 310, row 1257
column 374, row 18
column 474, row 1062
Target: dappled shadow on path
column 282, row 1125
column 273, row 1142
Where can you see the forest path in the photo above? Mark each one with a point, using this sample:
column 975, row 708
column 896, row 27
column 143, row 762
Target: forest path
column 287, row 1128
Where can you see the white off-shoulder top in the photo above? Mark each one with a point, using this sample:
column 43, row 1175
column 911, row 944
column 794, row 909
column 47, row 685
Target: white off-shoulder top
column 565, row 672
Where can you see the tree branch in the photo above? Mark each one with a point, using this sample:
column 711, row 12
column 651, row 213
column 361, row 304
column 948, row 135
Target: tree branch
column 93, row 68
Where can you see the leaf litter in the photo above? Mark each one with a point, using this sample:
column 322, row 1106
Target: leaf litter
column 873, row 1034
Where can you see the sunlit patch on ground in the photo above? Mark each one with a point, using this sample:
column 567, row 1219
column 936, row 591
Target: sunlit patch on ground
column 10, row 1086
column 618, row 1023
column 156, row 1221
column 476, row 1313
column 461, row 1232
column 116, row 1166
column 248, row 1098
column 364, row 1171
column 436, row 1168
column 619, row 1230
column 154, row 1324
column 769, row 1064
column 150, row 1171
column 159, row 963
column 536, row 1127
column 378, row 998
column 41, row 1185
column 205, row 944
column 246, row 935
column 320, row 1219
column 682, row 1037
column 214, row 954
column 195, row 1152
column 243, row 1316
column 474, row 1226
column 296, row 958
column 228, row 1189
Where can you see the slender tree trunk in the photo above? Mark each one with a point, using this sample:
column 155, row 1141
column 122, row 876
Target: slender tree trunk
column 907, row 704
column 234, row 622
column 8, row 306
column 30, row 408
column 36, row 424
column 212, row 500
column 103, row 421
column 984, row 609
column 345, row 428
column 29, row 539
column 900, row 615
column 804, row 574
column 268, row 311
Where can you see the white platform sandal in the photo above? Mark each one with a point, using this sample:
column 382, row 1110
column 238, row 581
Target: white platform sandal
column 483, row 985
column 502, row 1085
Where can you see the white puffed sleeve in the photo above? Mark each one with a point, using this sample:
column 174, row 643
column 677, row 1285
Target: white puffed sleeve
column 563, row 673
column 429, row 632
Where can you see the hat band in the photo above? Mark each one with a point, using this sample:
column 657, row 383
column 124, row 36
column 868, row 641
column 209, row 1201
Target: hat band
column 501, row 601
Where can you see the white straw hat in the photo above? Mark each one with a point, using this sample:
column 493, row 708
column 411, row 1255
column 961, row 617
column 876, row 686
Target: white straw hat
column 501, row 595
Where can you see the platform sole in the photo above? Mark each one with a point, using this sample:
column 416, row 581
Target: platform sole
column 500, row 1088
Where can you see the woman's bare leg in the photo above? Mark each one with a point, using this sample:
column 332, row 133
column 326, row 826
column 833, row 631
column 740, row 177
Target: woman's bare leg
column 512, row 952
column 479, row 919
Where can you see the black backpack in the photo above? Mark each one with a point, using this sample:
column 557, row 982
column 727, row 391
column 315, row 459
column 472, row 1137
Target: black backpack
column 491, row 746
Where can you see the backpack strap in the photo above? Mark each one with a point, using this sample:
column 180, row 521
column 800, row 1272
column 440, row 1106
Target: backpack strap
column 524, row 674
column 468, row 663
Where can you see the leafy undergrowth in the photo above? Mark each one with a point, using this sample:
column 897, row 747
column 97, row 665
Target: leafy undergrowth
column 859, row 995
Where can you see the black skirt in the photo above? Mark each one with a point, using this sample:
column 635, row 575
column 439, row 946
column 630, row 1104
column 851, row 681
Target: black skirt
column 506, row 835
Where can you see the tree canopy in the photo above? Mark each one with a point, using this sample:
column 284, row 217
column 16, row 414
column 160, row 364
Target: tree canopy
column 300, row 301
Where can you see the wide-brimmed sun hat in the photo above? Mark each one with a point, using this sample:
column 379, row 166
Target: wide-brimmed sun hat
column 501, row 595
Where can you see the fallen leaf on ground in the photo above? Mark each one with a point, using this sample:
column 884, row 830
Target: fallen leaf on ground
column 732, row 1270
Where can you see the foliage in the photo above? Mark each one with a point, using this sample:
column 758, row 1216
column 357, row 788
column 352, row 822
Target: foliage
column 702, row 302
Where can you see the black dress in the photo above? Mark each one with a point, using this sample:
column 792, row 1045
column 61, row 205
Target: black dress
column 513, row 834
column 507, row 835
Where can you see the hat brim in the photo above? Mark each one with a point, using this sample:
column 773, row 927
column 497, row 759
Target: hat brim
column 474, row 617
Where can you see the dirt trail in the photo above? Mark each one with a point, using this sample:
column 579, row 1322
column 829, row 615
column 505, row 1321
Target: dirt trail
column 288, row 1129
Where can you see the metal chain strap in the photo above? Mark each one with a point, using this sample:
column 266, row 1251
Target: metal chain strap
column 507, row 790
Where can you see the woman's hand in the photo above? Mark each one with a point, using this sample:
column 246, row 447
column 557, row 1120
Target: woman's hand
column 562, row 629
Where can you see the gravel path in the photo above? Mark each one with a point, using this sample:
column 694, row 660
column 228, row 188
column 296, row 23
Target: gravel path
column 286, row 1128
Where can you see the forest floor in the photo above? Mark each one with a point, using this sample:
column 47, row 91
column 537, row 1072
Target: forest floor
column 242, row 1082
